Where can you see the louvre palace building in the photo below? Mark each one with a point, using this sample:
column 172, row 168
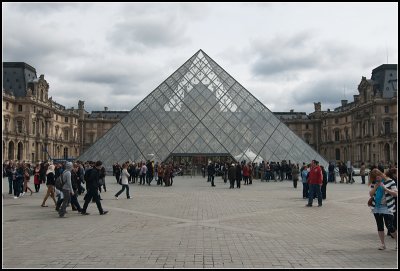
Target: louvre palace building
column 205, row 114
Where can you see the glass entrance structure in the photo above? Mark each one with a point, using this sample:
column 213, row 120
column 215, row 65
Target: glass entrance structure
column 200, row 111
column 192, row 163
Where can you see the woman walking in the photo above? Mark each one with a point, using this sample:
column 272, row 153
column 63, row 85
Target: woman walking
column 124, row 182
column 27, row 177
column 383, row 191
column 50, row 176
column 36, row 178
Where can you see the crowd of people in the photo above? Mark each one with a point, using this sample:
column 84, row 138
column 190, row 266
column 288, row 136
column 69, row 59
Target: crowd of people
column 314, row 178
column 73, row 176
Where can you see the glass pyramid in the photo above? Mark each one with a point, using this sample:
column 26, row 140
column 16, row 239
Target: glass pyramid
column 200, row 110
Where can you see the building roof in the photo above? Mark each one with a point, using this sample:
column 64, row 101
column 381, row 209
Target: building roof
column 16, row 76
column 107, row 114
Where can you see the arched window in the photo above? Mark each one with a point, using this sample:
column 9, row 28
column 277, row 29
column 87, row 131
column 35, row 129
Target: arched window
column 41, row 94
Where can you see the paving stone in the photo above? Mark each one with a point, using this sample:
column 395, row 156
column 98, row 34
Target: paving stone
column 191, row 225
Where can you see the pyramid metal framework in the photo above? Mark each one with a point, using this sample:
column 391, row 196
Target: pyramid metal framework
column 200, row 109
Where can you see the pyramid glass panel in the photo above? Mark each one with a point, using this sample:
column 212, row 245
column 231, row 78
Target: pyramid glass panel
column 200, row 110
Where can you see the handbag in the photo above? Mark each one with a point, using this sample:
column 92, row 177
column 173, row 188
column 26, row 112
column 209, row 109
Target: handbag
column 370, row 201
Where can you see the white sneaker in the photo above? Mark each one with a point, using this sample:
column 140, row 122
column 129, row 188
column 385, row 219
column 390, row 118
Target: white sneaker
column 23, row 194
column 15, row 197
column 116, row 197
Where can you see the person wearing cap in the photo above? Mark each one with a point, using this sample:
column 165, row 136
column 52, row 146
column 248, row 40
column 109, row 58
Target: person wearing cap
column 315, row 183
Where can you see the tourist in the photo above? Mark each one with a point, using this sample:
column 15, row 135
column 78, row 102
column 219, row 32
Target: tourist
column 124, row 182
column 383, row 191
column 92, row 189
column 315, row 183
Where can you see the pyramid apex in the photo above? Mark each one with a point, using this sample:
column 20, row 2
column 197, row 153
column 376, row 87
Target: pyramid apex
column 203, row 111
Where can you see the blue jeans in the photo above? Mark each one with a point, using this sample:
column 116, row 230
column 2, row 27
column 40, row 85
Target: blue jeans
column 305, row 190
column 314, row 188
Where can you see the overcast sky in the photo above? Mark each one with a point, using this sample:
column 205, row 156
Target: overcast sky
column 288, row 55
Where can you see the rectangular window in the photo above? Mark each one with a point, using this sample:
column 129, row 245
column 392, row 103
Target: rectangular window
column 66, row 119
column 33, row 127
column 387, row 127
column 336, row 120
column 66, row 135
column 337, row 154
column 20, row 108
column 19, row 126
column 386, row 109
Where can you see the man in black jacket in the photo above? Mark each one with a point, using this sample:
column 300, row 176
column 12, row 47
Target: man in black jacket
column 92, row 185
column 211, row 173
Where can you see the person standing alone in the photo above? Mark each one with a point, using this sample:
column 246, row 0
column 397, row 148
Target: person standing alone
column 315, row 183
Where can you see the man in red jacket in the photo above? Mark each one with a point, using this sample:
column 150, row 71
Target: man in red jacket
column 315, row 183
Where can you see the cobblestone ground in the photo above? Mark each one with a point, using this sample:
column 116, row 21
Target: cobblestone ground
column 194, row 225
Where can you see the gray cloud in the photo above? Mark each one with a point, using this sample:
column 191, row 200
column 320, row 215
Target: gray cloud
column 139, row 35
column 328, row 91
column 115, row 54
column 44, row 8
column 149, row 26
column 287, row 56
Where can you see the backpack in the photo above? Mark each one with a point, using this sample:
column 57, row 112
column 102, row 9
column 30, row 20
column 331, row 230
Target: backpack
column 60, row 182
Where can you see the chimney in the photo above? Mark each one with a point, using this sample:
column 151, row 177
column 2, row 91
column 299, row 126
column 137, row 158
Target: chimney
column 317, row 107
column 105, row 108
column 344, row 102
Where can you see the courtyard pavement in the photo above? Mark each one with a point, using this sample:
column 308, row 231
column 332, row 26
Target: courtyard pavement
column 194, row 225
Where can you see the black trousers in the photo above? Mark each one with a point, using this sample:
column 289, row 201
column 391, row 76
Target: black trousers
column 92, row 194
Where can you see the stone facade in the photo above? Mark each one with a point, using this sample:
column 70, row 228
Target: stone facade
column 36, row 128
column 364, row 130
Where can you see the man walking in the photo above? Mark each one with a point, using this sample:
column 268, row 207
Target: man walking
column 92, row 185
